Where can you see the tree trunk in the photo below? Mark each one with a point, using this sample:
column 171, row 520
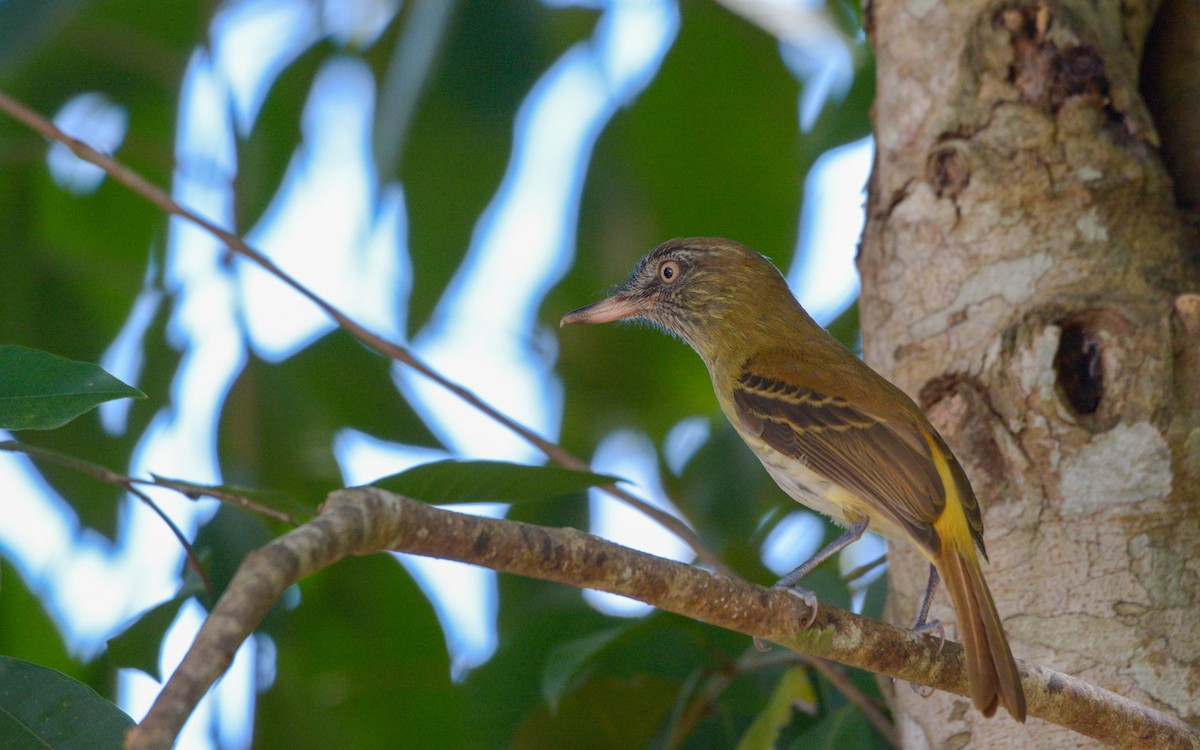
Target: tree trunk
column 1027, row 276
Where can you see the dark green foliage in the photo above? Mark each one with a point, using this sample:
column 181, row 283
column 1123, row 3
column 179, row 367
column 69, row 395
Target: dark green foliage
column 361, row 664
column 42, row 391
column 41, row 708
column 711, row 146
column 279, row 420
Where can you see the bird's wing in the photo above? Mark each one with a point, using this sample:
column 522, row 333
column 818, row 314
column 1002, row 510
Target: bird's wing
column 890, row 472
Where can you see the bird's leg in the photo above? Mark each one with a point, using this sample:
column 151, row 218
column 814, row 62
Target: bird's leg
column 790, row 580
column 853, row 533
column 921, row 626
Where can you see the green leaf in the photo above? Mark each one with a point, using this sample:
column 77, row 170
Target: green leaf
column 41, row 391
column 492, row 55
column 606, row 712
column 670, row 728
column 489, row 481
column 362, row 665
column 140, row 644
column 876, row 597
column 280, row 421
column 27, row 631
column 29, row 24
column 567, row 660
column 793, row 688
column 223, row 543
column 267, row 151
column 844, row 728
column 41, row 708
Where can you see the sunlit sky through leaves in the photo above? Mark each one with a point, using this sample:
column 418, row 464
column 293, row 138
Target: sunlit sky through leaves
column 341, row 233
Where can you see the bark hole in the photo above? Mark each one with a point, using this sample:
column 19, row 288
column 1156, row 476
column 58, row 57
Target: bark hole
column 1079, row 71
column 947, row 170
column 1048, row 75
column 1079, row 367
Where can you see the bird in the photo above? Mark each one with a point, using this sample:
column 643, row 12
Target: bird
column 834, row 434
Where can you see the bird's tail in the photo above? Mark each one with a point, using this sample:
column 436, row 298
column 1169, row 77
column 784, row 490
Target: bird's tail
column 991, row 670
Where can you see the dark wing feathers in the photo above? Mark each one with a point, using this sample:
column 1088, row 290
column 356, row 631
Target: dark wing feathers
column 865, row 455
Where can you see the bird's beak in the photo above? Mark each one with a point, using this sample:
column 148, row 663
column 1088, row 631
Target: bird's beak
column 616, row 307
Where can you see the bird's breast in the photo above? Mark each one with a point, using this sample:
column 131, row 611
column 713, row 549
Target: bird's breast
column 804, row 485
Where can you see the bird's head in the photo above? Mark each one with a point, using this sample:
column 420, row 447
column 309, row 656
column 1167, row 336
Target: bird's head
column 719, row 296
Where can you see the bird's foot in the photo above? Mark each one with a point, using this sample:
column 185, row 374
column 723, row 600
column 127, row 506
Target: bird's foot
column 805, row 596
column 922, row 690
column 932, row 627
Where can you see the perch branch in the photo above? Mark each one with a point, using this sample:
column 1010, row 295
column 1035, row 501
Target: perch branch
column 366, row 520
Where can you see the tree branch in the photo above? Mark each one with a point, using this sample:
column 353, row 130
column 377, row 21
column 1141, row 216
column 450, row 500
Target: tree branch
column 365, row 520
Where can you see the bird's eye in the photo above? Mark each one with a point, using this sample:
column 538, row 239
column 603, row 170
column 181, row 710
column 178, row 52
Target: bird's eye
column 668, row 271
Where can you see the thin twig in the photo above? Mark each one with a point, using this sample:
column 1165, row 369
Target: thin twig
column 162, row 200
column 104, row 474
column 130, row 485
column 190, row 489
column 193, row 559
column 187, row 489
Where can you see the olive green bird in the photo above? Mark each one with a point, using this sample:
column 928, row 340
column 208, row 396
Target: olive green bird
column 833, row 433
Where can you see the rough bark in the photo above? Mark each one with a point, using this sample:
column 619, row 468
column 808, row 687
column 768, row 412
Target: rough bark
column 1027, row 275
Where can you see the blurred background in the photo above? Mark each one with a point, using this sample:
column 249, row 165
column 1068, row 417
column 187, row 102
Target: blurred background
column 455, row 176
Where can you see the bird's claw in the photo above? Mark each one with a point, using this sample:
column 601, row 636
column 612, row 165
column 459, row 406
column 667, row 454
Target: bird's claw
column 808, row 598
column 933, row 626
column 805, row 596
column 922, row 690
